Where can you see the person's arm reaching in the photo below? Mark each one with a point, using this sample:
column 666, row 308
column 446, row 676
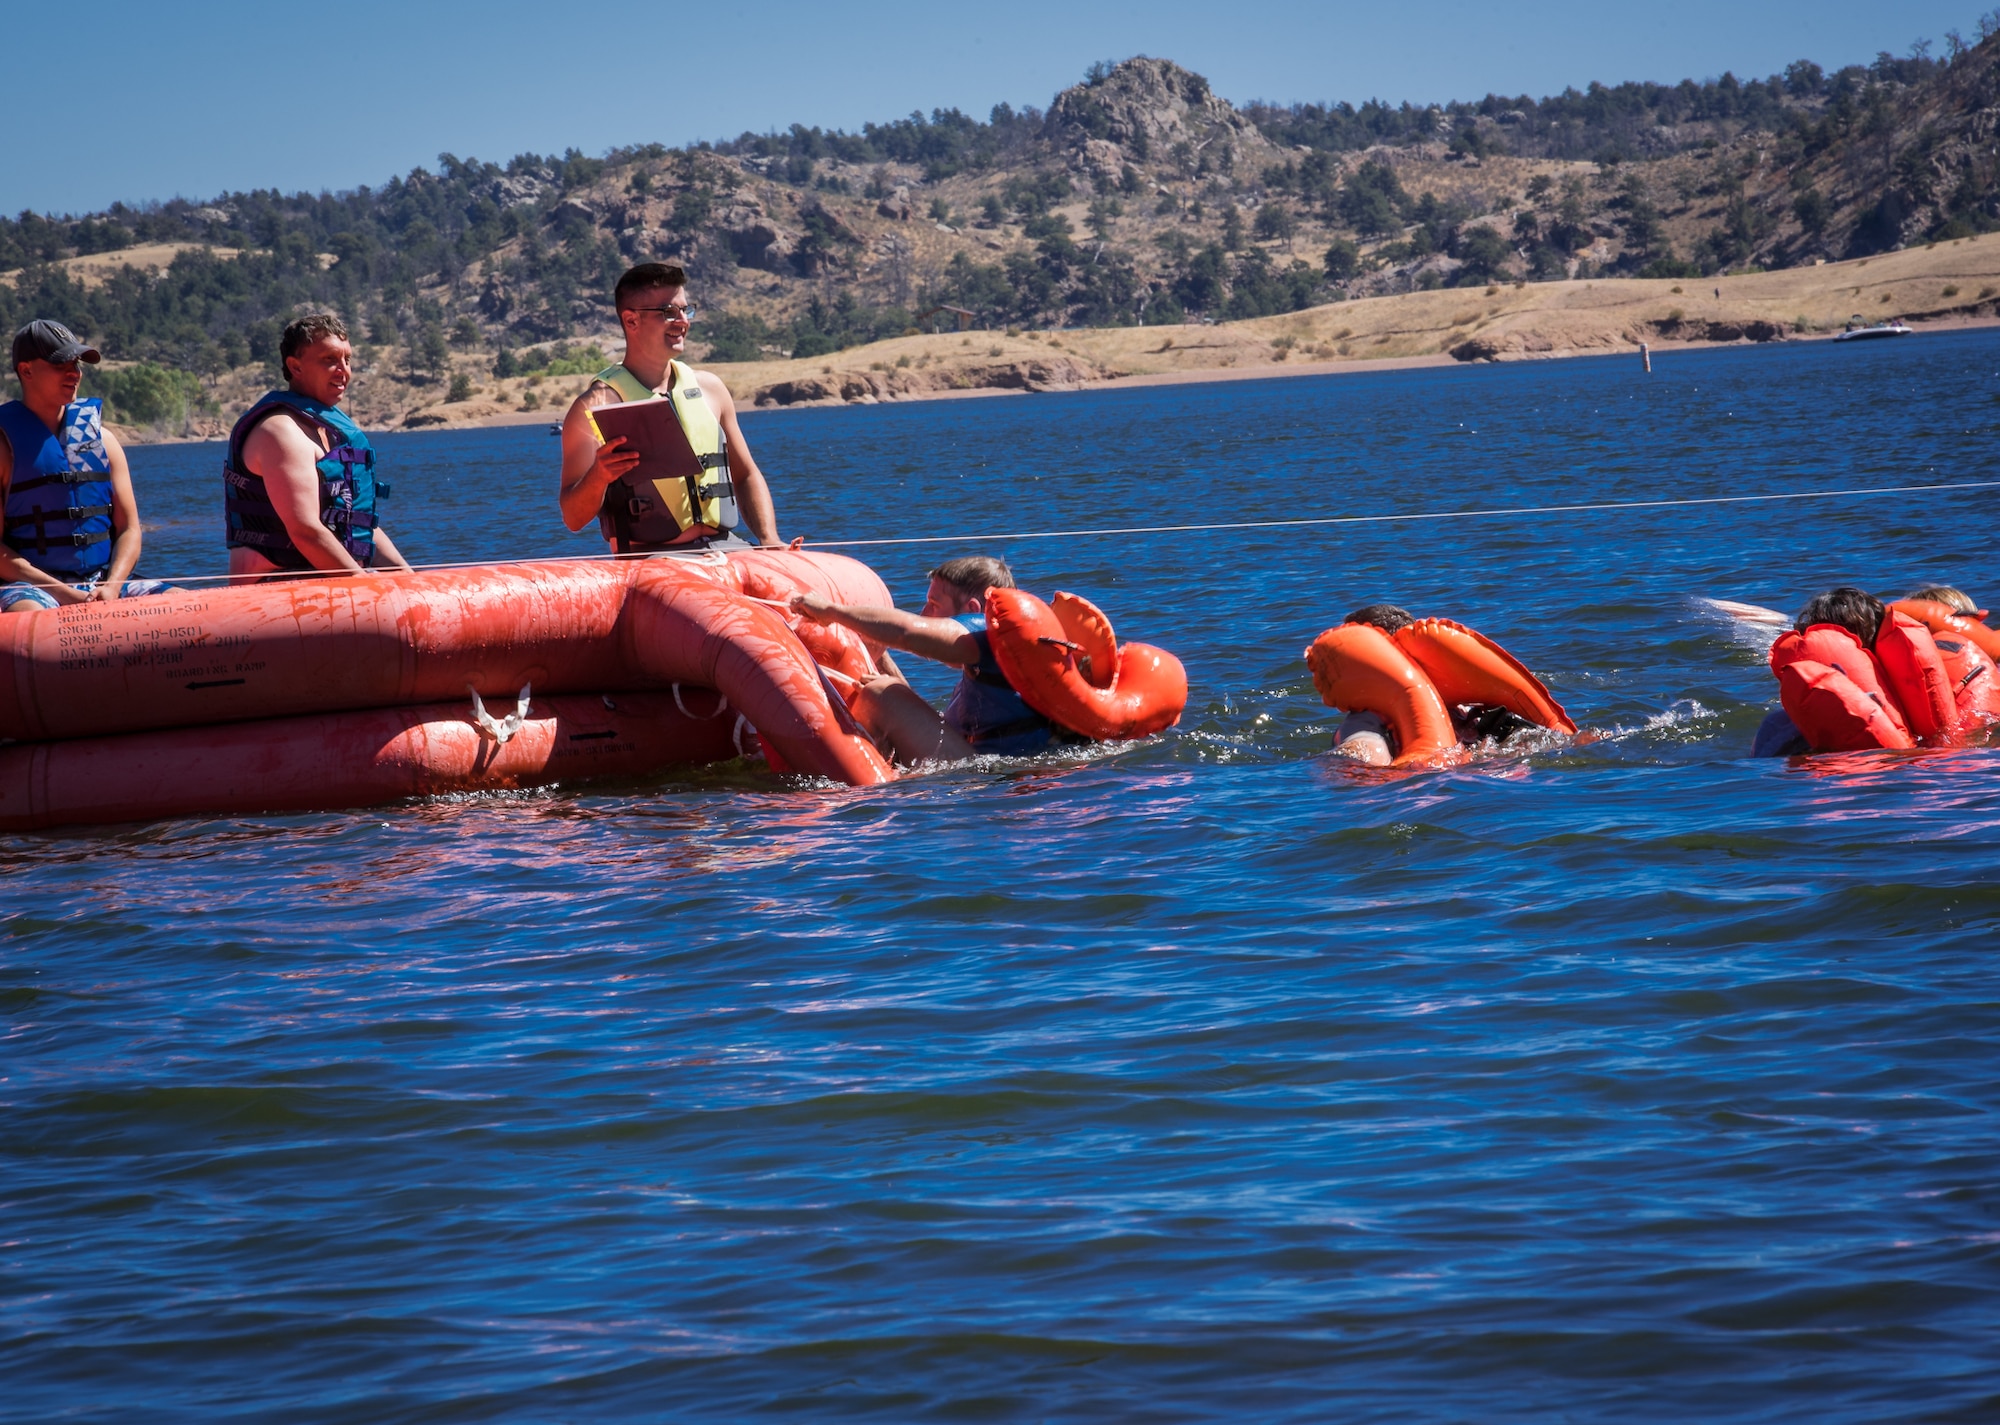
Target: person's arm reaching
column 943, row 639
column 386, row 554
column 280, row 451
column 589, row 468
column 126, row 532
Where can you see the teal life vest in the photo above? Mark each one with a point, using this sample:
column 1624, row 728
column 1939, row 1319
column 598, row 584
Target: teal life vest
column 58, row 514
column 348, row 487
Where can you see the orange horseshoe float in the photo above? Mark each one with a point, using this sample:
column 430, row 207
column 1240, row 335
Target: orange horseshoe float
column 1415, row 676
column 345, row 692
column 1065, row 662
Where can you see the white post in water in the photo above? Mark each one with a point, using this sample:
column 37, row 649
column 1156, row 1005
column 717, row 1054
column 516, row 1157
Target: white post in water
column 1646, row 355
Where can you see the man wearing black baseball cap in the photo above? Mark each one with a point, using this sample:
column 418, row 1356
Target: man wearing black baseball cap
column 71, row 531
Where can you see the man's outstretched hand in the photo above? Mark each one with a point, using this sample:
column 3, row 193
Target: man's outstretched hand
column 816, row 607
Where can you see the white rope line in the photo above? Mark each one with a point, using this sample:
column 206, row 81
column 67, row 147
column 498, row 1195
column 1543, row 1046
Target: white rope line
column 1499, row 512
column 1425, row 515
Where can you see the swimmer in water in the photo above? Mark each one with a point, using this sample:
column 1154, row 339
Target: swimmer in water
column 1857, row 611
column 1367, row 737
column 1957, row 600
column 985, row 715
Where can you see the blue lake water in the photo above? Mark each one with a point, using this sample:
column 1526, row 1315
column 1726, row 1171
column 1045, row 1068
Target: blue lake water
column 1205, row 1080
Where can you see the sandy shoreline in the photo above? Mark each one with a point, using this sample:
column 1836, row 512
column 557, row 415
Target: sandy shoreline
column 1952, row 285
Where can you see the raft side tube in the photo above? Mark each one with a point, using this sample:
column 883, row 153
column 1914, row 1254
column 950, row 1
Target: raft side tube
column 300, row 646
column 292, row 647
column 331, row 761
column 690, row 631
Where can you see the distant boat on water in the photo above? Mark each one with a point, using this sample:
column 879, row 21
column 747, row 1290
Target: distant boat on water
column 1857, row 332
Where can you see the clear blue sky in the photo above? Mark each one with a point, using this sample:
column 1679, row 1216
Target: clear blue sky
column 194, row 100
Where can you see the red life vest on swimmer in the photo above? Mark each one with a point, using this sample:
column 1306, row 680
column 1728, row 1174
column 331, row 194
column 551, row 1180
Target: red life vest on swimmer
column 1848, row 698
column 1968, row 649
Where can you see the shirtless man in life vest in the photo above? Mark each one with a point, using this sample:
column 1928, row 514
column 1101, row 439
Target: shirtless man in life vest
column 636, row 518
column 299, row 484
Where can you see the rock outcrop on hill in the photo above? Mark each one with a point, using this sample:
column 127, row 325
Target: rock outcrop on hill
column 1145, row 111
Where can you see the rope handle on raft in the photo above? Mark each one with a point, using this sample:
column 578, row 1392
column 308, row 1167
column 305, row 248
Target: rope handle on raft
column 500, row 730
column 721, row 706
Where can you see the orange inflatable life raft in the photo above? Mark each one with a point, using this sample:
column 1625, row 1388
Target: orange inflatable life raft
column 365, row 758
column 1969, row 650
column 1844, row 697
column 253, row 674
column 1065, row 662
column 1415, row 676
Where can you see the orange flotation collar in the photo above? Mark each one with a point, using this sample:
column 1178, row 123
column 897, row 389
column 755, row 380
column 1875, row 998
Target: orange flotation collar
column 1413, row 678
column 1938, row 617
column 1971, row 655
column 1358, row 668
column 1465, row 666
column 1848, row 698
column 1067, row 665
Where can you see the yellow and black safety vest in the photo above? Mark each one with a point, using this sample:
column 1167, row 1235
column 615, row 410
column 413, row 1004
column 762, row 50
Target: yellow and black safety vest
column 640, row 514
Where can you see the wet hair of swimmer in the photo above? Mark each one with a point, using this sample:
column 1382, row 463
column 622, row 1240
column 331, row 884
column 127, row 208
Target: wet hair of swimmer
column 975, row 573
column 1387, row 617
column 1957, row 600
column 1856, row 610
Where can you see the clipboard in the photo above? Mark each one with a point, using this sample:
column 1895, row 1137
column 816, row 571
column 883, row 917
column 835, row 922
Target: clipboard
column 668, row 464
column 653, row 430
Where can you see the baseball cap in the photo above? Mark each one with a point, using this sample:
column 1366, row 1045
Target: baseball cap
column 51, row 341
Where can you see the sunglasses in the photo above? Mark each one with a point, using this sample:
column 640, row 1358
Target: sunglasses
column 684, row 315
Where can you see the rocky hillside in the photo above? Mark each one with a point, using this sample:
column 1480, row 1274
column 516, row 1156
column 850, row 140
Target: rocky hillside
column 1140, row 197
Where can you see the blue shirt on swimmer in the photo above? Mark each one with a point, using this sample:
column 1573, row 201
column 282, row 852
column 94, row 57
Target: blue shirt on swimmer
column 1779, row 736
column 987, row 711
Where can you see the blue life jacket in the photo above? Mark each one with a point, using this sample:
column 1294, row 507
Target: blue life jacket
column 348, row 488
column 59, row 499
column 986, row 710
column 1779, row 736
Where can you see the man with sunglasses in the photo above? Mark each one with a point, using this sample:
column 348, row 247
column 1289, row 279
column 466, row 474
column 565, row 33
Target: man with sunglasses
column 72, row 525
column 597, row 476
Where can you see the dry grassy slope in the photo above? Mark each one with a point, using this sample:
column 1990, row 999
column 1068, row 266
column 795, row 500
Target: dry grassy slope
column 94, row 269
column 894, row 257
column 1951, row 281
